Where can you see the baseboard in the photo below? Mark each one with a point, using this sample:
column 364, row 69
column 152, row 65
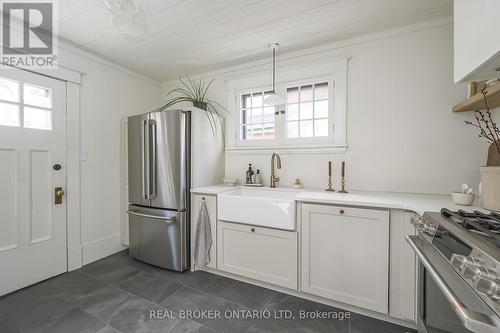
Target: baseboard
column 74, row 258
column 338, row 305
column 101, row 248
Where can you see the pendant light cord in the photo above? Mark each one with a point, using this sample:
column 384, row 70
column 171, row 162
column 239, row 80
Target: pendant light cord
column 274, row 70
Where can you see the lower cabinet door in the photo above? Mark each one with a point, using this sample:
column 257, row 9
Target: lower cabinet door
column 259, row 253
column 345, row 255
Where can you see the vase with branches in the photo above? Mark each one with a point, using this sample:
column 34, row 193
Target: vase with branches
column 195, row 92
column 488, row 129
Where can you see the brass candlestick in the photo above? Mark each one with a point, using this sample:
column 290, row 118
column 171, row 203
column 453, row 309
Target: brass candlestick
column 330, row 188
column 342, row 184
column 342, row 179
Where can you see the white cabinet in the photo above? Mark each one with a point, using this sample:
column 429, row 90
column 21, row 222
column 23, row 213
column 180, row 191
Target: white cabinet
column 263, row 254
column 402, row 289
column 476, row 41
column 345, row 255
column 211, row 201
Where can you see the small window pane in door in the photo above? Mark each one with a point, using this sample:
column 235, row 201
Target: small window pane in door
column 37, row 96
column 37, row 118
column 9, row 114
column 9, row 90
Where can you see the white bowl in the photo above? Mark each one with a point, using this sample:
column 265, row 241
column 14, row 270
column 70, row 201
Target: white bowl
column 230, row 181
column 463, row 199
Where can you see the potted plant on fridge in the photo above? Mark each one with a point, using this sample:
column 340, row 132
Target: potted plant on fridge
column 195, row 92
column 490, row 174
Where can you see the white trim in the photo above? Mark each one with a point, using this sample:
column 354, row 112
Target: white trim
column 101, row 248
column 61, row 73
column 73, row 212
column 74, row 258
column 124, row 229
column 302, row 150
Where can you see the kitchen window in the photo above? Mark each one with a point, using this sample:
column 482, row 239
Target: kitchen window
column 25, row 105
column 306, row 118
column 311, row 120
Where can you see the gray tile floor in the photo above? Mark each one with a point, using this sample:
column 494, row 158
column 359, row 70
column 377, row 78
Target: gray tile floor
column 117, row 294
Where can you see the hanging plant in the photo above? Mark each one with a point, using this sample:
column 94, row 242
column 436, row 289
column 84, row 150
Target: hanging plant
column 195, row 92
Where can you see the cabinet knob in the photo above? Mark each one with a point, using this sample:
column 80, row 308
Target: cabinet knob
column 342, row 211
column 253, row 229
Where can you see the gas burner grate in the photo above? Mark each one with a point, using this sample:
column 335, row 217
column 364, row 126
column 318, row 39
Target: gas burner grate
column 485, row 224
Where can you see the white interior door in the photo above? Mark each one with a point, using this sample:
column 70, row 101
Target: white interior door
column 32, row 143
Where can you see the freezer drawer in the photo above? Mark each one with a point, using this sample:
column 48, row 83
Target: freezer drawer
column 159, row 237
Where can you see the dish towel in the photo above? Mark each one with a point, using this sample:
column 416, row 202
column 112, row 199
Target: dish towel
column 202, row 237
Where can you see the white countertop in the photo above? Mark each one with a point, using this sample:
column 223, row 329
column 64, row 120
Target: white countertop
column 418, row 203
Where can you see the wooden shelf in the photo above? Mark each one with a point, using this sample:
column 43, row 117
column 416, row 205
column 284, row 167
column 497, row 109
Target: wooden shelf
column 477, row 101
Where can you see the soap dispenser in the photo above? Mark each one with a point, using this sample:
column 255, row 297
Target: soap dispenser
column 258, row 177
column 249, row 174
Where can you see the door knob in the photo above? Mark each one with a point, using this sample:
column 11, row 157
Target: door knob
column 58, row 194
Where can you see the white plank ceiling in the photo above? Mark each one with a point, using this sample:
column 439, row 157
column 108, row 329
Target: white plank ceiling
column 194, row 36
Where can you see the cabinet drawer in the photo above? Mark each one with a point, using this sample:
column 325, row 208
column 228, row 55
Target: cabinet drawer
column 211, row 201
column 259, row 253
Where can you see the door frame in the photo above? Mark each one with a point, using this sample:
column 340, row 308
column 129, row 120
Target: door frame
column 73, row 80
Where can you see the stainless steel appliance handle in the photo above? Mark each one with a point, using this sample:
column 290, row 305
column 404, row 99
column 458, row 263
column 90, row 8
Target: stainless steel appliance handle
column 165, row 218
column 152, row 182
column 473, row 321
column 145, row 158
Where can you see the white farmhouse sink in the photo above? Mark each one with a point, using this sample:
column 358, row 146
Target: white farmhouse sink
column 274, row 208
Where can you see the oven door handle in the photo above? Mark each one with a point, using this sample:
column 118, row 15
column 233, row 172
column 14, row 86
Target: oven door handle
column 473, row 321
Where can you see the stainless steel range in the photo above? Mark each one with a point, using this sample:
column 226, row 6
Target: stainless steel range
column 459, row 272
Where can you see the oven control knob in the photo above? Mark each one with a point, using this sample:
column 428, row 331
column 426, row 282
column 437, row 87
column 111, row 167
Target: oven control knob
column 417, row 221
column 429, row 228
column 488, row 287
column 473, row 272
column 460, row 262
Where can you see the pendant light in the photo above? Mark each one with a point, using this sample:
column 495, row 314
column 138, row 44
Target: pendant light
column 274, row 99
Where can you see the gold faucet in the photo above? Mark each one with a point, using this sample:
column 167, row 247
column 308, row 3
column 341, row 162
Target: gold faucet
column 275, row 179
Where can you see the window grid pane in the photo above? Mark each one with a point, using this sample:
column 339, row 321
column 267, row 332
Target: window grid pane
column 25, row 105
column 257, row 122
column 309, row 105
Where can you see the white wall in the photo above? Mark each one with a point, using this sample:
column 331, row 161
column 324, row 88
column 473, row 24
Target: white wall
column 108, row 93
column 402, row 135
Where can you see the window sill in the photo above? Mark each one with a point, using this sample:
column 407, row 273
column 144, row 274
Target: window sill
column 293, row 150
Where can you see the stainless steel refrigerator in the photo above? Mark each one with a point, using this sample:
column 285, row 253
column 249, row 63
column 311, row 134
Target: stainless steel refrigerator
column 159, row 166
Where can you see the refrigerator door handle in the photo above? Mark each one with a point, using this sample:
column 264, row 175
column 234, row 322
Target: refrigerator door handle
column 145, row 159
column 152, row 180
column 165, row 218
